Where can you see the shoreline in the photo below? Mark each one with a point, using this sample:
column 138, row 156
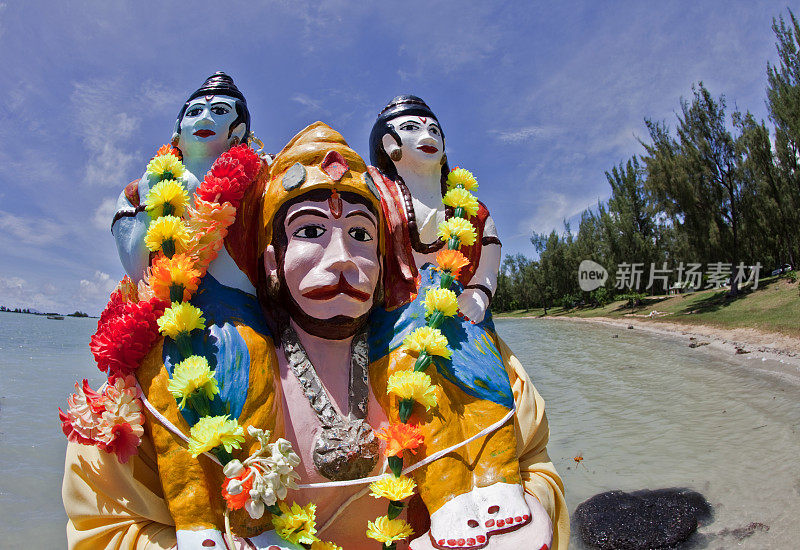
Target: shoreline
column 767, row 352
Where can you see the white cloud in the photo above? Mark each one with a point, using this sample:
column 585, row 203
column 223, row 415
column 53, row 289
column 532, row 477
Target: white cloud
column 160, row 97
column 312, row 104
column 3, row 7
column 98, row 288
column 550, row 210
column 104, row 213
column 17, row 292
column 30, row 231
column 106, row 130
column 523, row 134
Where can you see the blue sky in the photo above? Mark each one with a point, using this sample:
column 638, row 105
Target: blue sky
column 537, row 99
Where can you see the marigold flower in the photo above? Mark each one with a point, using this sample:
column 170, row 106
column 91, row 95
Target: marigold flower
column 165, row 167
column 238, row 500
column 401, row 437
column 127, row 289
column 247, row 158
column 409, row 384
column 225, row 182
column 459, row 176
column 458, row 227
column 167, row 228
column 428, row 340
column 441, row 299
column 176, row 271
column 181, row 318
column 393, row 487
column 122, row 341
column 169, row 149
column 387, row 530
column 205, row 212
column 166, row 192
column 321, row 545
column 193, row 374
column 205, row 244
column 296, row 524
column 215, row 431
column 452, row 261
column 461, row 198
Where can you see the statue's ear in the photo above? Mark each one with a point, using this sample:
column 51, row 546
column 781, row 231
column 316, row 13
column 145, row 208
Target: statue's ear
column 390, row 145
column 238, row 132
column 270, row 262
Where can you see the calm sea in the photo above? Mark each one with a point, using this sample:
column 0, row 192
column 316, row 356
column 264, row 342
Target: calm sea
column 643, row 412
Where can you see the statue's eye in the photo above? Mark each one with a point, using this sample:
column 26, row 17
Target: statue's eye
column 435, row 131
column 194, row 111
column 360, row 234
column 220, row 110
column 309, row 232
column 409, row 127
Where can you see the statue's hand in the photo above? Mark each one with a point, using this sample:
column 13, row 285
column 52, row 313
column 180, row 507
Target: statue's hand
column 473, row 304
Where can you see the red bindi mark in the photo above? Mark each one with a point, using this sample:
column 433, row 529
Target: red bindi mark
column 335, row 204
column 209, row 98
column 423, row 119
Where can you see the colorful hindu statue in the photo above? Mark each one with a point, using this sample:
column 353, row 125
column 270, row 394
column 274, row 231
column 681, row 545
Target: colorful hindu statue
column 213, row 119
column 407, row 145
column 230, row 421
column 427, row 207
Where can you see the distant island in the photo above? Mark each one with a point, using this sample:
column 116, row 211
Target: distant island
column 30, row 311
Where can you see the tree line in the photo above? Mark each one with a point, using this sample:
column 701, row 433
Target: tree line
column 717, row 189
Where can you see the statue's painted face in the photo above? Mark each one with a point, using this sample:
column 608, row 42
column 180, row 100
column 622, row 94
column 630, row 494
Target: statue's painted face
column 422, row 139
column 331, row 265
column 205, row 125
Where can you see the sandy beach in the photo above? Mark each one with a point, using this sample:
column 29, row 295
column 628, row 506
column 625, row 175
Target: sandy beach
column 769, row 352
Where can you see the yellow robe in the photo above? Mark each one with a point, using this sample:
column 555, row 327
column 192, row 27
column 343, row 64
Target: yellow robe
column 113, row 505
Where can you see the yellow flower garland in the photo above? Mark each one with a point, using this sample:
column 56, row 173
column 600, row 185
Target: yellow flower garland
column 412, row 386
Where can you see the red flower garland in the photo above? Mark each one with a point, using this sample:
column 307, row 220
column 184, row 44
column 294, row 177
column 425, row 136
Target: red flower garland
column 120, row 344
column 230, row 176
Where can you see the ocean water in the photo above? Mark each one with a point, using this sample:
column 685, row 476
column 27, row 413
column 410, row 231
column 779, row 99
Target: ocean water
column 643, row 411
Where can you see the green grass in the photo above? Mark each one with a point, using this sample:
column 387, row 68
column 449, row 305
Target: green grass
column 773, row 307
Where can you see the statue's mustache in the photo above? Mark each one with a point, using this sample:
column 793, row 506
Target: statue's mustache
column 331, row 291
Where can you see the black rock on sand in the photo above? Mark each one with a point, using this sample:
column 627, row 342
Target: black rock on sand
column 643, row 520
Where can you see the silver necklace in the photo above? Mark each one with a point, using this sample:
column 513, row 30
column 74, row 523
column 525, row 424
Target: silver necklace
column 346, row 447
